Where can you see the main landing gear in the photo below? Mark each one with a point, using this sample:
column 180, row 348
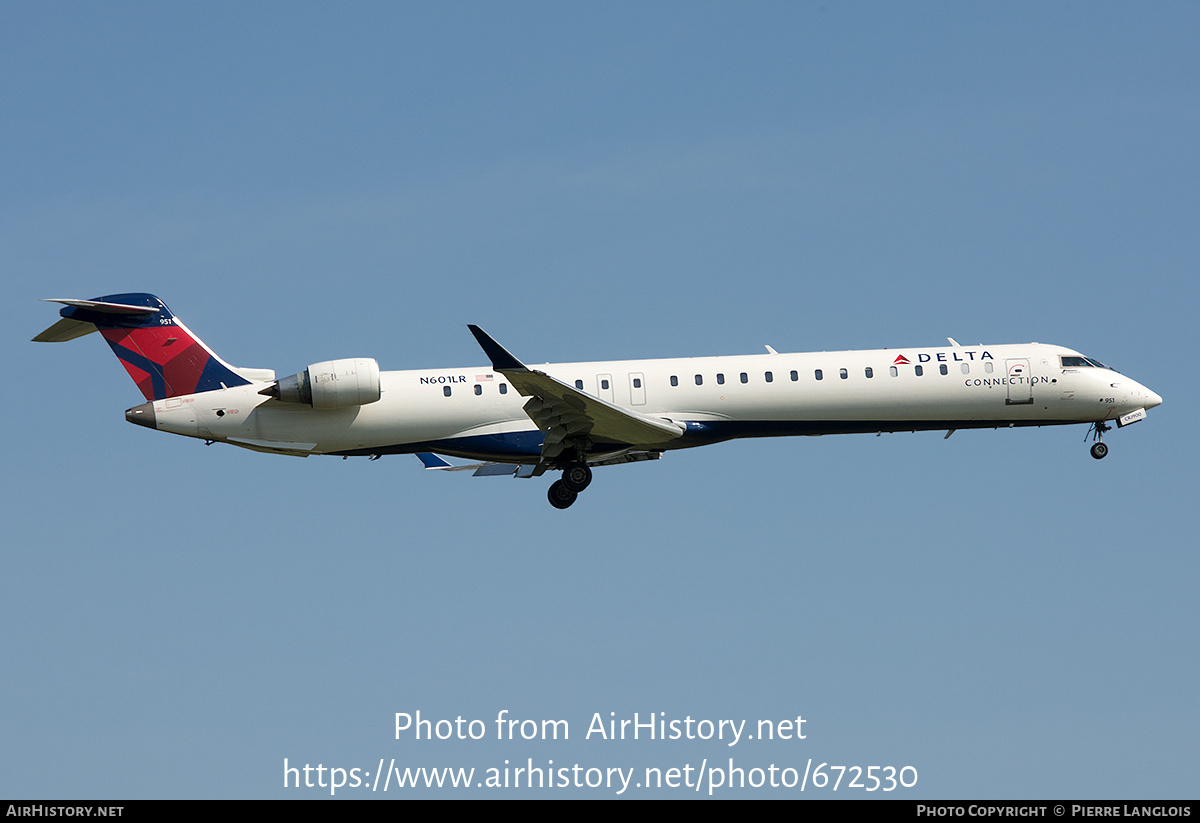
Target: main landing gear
column 1099, row 450
column 575, row 478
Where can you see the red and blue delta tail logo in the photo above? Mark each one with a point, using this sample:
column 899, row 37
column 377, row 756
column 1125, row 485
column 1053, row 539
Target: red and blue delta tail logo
column 161, row 354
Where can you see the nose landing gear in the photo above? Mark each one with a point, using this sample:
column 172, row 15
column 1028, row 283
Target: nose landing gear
column 1097, row 430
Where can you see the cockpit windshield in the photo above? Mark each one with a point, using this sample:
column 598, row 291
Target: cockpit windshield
column 1076, row 362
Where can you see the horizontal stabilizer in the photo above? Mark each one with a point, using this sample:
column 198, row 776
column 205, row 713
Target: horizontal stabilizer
column 64, row 330
column 102, row 307
column 69, row 327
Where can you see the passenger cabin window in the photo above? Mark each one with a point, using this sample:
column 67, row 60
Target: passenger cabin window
column 446, row 390
column 579, row 385
column 745, row 377
column 504, row 388
column 842, row 373
column 637, row 382
column 720, row 380
column 869, row 372
column 795, row 375
column 699, row 380
column 919, row 370
column 895, row 372
column 819, row 374
column 604, row 385
column 966, row 368
column 768, row 377
column 987, row 366
column 674, row 380
column 944, row 369
column 478, row 389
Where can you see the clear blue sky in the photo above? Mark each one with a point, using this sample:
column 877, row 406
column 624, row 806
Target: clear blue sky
column 302, row 181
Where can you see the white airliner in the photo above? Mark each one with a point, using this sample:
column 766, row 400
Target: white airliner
column 570, row 417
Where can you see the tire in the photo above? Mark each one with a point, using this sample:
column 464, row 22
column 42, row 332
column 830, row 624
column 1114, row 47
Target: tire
column 560, row 496
column 577, row 477
column 1099, row 451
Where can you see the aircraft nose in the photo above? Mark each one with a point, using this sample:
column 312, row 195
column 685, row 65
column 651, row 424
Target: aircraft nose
column 1152, row 399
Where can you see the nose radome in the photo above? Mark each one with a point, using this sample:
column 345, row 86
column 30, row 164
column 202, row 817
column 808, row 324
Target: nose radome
column 1152, row 399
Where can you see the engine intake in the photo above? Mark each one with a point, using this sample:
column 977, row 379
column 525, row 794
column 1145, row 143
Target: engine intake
column 333, row 384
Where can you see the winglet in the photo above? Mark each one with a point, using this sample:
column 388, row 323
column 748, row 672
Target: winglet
column 501, row 359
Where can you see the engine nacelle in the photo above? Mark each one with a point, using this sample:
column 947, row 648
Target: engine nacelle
column 334, row 384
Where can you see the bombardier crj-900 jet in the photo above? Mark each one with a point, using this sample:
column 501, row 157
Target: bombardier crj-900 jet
column 571, row 417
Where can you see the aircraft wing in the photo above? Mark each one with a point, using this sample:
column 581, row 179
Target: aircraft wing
column 567, row 415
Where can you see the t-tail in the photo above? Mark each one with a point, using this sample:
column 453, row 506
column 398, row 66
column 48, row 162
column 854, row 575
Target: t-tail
column 161, row 354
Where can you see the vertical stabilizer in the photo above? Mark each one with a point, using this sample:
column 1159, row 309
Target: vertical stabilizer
column 161, row 354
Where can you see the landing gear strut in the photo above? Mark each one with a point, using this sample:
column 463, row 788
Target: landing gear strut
column 1099, row 450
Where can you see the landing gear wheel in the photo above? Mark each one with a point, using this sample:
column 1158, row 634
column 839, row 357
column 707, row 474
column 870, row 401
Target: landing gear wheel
column 1099, row 451
column 576, row 477
column 560, row 496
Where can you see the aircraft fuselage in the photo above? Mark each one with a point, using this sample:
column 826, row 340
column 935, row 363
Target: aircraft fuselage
column 476, row 413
